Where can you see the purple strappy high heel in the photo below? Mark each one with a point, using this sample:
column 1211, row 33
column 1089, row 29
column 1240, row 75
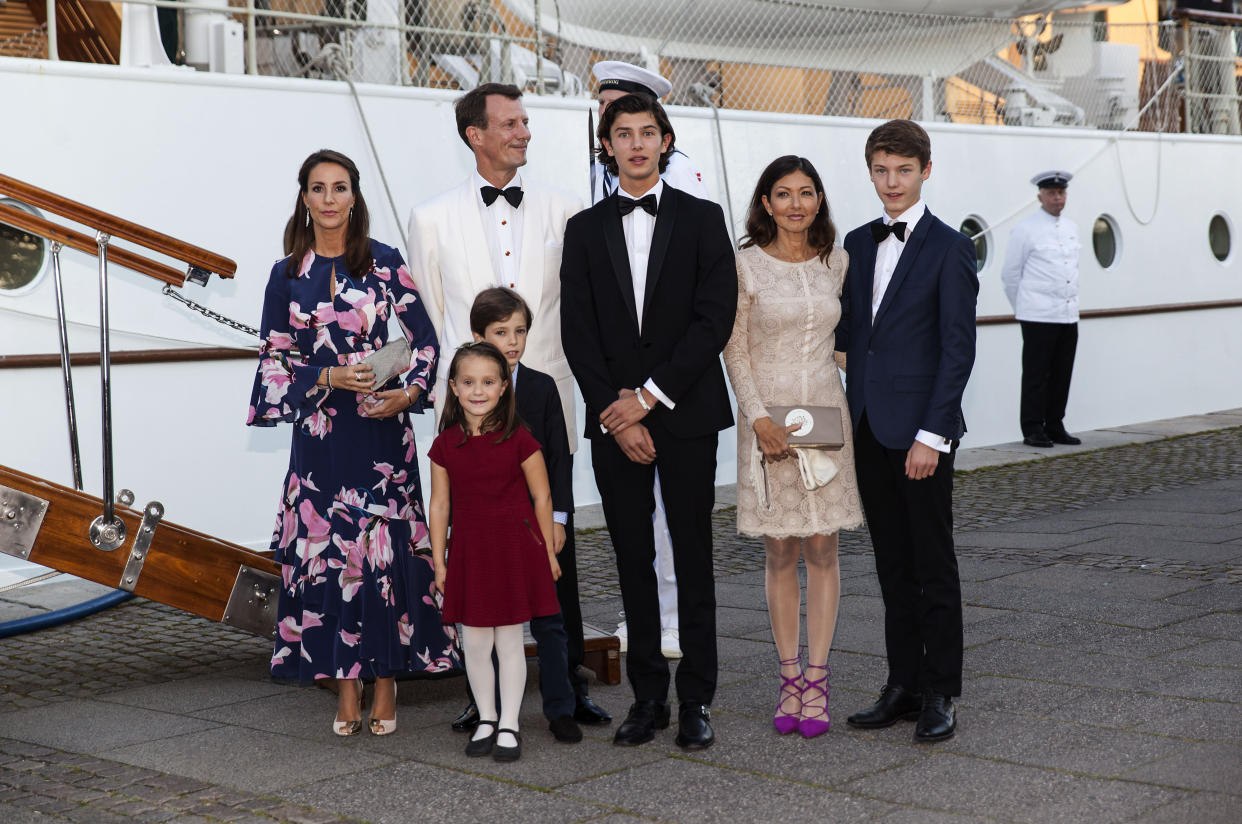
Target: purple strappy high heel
column 815, row 720
column 787, row 722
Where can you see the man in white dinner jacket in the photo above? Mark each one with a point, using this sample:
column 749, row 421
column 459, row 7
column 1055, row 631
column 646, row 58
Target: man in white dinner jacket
column 498, row 229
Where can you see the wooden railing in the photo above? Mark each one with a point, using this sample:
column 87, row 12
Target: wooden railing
column 114, row 226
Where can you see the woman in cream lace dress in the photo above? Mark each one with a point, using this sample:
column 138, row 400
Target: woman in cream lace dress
column 781, row 354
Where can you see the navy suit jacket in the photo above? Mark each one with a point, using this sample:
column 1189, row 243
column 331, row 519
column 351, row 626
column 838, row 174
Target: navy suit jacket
column 539, row 406
column 908, row 369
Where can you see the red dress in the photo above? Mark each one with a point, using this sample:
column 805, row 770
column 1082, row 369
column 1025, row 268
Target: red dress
column 498, row 571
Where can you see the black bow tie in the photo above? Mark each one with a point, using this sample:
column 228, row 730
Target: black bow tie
column 626, row 205
column 880, row 231
column 513, row 194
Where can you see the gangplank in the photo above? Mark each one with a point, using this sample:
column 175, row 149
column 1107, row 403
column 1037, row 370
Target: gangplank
column 105, row 540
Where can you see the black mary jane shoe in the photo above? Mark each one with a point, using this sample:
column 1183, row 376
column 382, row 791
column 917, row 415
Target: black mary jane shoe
column 508, row 753
column 640, row 724
column 694, row 729
column 479, row 747
column 937, row 721
column 588, row 712
column 468, row 720
column 896, row 704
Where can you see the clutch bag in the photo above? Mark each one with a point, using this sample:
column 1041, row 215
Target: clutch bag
column 389, row 361
column 821, row 427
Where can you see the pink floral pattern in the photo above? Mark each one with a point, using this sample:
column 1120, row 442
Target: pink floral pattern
column 350, row 533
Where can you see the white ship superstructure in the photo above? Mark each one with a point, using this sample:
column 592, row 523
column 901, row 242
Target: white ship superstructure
column 1140, row 113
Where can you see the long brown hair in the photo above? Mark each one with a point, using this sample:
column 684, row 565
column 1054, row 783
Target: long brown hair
column 300, row 237
column 504, row 418
column 761, row 226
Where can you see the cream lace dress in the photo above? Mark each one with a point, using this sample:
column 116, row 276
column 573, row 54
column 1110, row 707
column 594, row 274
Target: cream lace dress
column 781, row 353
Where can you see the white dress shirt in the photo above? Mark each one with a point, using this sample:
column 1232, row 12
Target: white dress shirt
column 887, row 254
column 561, row 518
column 639, row 228
column 503, row 226
column 1040, row 274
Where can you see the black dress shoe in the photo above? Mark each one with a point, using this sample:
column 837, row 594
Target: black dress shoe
column 694, row 729
column 1039, row 439
column 468, row 720
column 640, row 724
column 565, row 729
column 477, row 748
column 588, row 712
column 1064, row 437
column 937, row 721
column 896, row 704
column 508, row 753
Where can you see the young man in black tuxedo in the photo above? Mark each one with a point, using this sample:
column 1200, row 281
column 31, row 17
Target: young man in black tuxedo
column 908, row 328
column 648, row 294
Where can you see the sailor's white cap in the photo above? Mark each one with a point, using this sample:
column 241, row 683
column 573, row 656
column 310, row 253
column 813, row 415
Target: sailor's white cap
column 626, row 77
column 1053, row 179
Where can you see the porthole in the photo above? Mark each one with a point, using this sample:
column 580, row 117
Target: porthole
column 973, row 227
column 1106, row 239
column 1220, row 238
column 22, row 254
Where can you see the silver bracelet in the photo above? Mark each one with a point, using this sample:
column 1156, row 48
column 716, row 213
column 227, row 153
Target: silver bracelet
column 641, row 400
column 409, row 397
column 329, row 378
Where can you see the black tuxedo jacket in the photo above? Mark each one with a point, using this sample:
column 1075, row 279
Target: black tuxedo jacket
column 908, row 368
column 539, row 405
column 688, row 309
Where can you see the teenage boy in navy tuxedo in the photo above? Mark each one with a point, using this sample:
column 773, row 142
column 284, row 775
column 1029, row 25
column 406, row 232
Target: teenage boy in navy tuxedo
column 648, row 294
column 908, row 328
column 502, row 317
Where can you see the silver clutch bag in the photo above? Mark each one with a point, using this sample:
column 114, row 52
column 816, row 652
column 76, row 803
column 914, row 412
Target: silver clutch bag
column 389, row 361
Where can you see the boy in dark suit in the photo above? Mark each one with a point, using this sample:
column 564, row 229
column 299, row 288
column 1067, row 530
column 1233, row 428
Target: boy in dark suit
column 648, row 294
column 908, row 328
column 501, row 317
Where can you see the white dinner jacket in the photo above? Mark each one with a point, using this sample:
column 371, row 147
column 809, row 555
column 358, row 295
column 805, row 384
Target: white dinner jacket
column 450, row 262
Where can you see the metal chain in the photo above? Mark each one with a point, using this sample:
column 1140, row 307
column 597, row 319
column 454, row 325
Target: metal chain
column 208, row 313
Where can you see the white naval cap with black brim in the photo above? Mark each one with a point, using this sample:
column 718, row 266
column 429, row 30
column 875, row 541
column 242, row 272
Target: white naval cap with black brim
column 1052, row 179
column 631, row 79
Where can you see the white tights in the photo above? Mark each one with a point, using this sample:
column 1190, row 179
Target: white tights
column 507, row 641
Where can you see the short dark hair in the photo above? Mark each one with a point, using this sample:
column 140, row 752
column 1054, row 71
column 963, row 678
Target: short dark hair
column 494, row 305
column 900, row 137
column 761, row 227
column 634, row 104
column 471, row 107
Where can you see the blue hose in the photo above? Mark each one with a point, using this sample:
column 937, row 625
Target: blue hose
column 20, row 626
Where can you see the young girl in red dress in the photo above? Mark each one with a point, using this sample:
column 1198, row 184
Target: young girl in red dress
column 487, row 470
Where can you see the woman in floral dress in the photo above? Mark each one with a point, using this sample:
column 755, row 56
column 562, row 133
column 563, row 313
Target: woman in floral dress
column 357, row 594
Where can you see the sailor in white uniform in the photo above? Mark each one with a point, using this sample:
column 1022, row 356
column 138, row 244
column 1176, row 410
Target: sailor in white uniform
column 1040, row 277
column 617, row 79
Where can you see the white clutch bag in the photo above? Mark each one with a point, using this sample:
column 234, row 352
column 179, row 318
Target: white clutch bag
column 389, row 361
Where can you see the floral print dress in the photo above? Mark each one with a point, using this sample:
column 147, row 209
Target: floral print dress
column 357, row 596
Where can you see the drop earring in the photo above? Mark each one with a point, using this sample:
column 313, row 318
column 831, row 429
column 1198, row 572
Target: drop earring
column 351, row 213
column 308, row 217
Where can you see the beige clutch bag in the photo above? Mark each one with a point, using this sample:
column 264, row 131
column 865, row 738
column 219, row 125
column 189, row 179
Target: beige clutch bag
column 822, row 427
column 389, row 361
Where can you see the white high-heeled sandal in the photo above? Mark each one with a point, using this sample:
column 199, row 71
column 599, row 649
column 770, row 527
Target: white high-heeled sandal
column 347, row 728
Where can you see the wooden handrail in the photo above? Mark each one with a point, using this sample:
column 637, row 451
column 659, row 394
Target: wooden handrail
column 1124, row 311
column 130, row 356
column 117, row 227
column 1204, row 16
column 76, row 240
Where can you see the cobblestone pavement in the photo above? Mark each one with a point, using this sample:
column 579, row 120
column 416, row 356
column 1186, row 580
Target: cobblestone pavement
column 1103, row 597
